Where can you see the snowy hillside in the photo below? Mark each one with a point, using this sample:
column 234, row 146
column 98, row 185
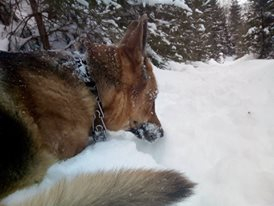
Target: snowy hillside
column 219, row 124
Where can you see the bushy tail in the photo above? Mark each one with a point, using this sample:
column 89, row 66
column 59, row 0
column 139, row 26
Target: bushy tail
column 119, row 188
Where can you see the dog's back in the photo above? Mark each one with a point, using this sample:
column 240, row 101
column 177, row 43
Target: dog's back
column 44, row 111
column 25, row 153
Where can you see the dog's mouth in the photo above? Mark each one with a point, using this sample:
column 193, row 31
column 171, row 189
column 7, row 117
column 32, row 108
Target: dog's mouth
column 148, row 131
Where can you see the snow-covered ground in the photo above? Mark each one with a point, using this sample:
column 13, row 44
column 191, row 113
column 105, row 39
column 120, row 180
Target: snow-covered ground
column 219, row 131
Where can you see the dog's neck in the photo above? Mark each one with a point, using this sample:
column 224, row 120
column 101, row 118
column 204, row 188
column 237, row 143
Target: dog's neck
column 98, row 130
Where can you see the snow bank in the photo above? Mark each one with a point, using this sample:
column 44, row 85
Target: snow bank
column 219, row 122
column 178, row 3
column 219, row 128
column 4, row 42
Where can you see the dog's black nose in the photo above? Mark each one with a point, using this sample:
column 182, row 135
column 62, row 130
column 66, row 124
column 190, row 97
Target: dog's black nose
column 148, row 131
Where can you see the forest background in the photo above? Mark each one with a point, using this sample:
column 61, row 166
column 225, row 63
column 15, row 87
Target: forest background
column 182, row 31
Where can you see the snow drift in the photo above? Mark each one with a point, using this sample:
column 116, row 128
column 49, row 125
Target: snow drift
column 219, row 128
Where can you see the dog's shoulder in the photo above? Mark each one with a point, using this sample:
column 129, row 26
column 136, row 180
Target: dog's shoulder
column 43, row 59
column 60, row 64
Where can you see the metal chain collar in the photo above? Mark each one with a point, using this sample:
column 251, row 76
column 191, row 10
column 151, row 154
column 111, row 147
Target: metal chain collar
column 98, row 132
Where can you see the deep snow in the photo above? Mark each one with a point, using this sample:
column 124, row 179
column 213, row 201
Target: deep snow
column 219, row 129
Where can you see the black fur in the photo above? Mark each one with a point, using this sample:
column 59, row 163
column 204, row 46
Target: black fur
column 50, row 61
column 184, row 187
column 16, row 149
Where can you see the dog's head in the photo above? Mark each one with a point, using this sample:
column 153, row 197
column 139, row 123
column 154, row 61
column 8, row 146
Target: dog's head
column 126, row 83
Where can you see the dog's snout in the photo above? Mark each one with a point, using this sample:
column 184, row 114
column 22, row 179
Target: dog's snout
column 148, row 131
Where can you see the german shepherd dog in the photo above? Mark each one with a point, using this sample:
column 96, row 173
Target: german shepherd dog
column 46, row 112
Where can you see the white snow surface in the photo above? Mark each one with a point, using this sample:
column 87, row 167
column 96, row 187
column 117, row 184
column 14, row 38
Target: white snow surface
column 219, row 131
column 4, row 42
column 178, row 3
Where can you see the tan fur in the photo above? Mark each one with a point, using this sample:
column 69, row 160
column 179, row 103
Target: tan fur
column 133, row 88
column 64, row 126
column 120, row 188
column 58, row 114
column 46, row 113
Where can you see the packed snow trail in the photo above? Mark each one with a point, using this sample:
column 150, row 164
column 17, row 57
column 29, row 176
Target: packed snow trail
column 219, row 129
column 219, row 121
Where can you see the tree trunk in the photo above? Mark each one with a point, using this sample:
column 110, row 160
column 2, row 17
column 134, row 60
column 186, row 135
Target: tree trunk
column 40, row 24
column 5, row 13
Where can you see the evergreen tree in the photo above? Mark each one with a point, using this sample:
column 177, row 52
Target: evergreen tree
column 198, row 38
column 260, row 33
column 236, row 28
column 217, row 31
column 225, row 36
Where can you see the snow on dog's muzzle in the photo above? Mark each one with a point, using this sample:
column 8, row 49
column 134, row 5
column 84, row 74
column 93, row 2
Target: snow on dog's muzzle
column 148, row 131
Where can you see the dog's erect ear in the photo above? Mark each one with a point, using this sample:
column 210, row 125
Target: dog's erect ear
column 134, row 40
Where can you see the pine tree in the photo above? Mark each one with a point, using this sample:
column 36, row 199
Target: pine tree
column 217, row 31
column 5, row 13
column 260, row 33
column 236, row 28
column 225, row 37
column 198, row 37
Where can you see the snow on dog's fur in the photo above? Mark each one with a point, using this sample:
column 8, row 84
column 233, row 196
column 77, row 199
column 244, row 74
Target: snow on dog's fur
column 46, row 114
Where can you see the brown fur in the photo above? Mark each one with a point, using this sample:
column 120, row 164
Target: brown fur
column 56, row 111
column 46, row 111
column 129, row 88
column 115, row 188
column 134, row 87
